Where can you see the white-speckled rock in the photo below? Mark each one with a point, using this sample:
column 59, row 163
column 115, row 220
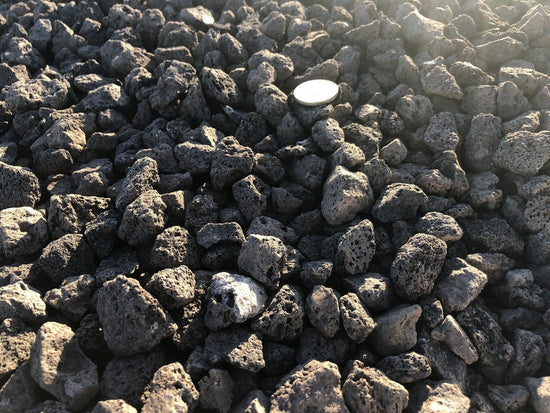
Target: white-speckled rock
column 233, row 298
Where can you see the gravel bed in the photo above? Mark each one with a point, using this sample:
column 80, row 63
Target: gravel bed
column 179, row 234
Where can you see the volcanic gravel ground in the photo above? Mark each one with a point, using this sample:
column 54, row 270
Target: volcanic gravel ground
column 178, row 234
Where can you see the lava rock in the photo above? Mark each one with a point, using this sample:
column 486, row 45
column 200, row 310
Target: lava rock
column 450, row 332
column 23, row 231
column 141, row 177
column 174, row 287
column 523, row 152
column 406, row 368
column 322, row 310
column 423, row 396
column 357, row 247
column 60, row 367
column 16, row 340
column 374, row 290
column 356, row 320
column 18, row 187
column 132, row 319
column 263, row 258
column 73, row 297
column 399, row 201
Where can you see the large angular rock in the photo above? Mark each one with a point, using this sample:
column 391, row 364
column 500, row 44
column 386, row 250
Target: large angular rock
column 20, row 392
column 356, row 320
column 18, row 187
column 263, row 257
column 406, row 367
column 492, row 235
column 141, row 177
column 418, row 29
column 417, row 265
column 133, row 321
column 450, row 332
column 21, row 301
column 369, row 389
column 323, row 311
column 482, row 141
column 436, row 80
column 399, row 201
column 345, row 194
column 231, row 161
column 310, row 387
column 173, row 247
column 73, row 297
column 374, row 290
column 23, row 231
column 60, row 367
column 428, row 396
column 174, row 287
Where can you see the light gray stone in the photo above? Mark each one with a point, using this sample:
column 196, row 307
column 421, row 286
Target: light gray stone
column 23, row 231
column 21, row 301
column 450, row 332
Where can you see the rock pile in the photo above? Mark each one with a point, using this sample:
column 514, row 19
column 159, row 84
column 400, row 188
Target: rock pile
column 178, row 233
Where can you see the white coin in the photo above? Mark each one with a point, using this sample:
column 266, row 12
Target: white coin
column 316, row 92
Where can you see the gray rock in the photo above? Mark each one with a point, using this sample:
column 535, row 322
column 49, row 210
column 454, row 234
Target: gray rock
column 16, row 340
column 448, row 164
column 230, row 162
column 143, row 219
column 483, row 191
column 216, row 391
column 529, row 81
column 357, row 247
column 127, row 377
column 121, row 57
column 523, row 152
column 310, row 387
column 395, row 330
column 283, row 65
column 202, row 209
column 415, row 110
column 101, row 233
column 133, row 321
column 173, row 287
column 492, row 235
column 418, row 29
column 264, row 73
column 283, row 319
column 69, row 214
column 479, row 99
column 440, row 225
column 394, row 152
column 73, row 297
column 441, row 134
column 220, row 87
column 18, row 187
column 356, row 320
column 327, row 134
column 509, row 398
column 539, row 390
column 500, row 50
column 141, row 177
column 493, row 264
column 23, row 231
column 481, row 142
column 345, row 194
column 232, row 298
column 536, row 213
column 495, row 352
column 263, row 258
column 510, row 101
column 417, row 265
column 460, row 285
column 110, row 96
column 436, row 80
column 60, row 367
column 308, row 171
column 450, row 332
column 373, row 289
column 369, row 389
column 520, row 290
column 25, row 95
column 398, row 201
column 315, row 272
column 174, row 83
column 21, row 301
column 271, row 103
column 194, row 157
column 433, row 182
column 173, row 247
column 537, row 247
column 443, row 394
column 268, row 226
column 432, row 312
column 323, row 311
column 406, row 368
column 467, row 74
column 251, row 194
column 237, row 346
column 529, row 356
column 20, row 392
column 113, row 406
column 528, row 121
column 170, row 390
column 269, row 166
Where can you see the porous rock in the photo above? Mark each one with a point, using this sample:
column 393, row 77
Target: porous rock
column 398, row 201
column 23, row 231
column 323, row 311
column 16, row 340
column 133, row 321
column 18, row 187
column 357, row 247
column 173, row 287
column 21, row 301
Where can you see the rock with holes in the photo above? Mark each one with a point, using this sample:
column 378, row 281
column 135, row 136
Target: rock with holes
column 440, row 225
column 232, row 298
column 357, row 247
column 406, row 367
column 523, row 152
column 263, row 258
column 23, row 231
column 323, row 311
column 21, row 301
column 18, row 187
column 417, row 265
column 73, row 297
column 356, row 320
column 399, row 201
column 16, row 340
column 133, row 320
column 173, row 287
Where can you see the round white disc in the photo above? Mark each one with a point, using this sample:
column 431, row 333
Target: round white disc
column 316, row 92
